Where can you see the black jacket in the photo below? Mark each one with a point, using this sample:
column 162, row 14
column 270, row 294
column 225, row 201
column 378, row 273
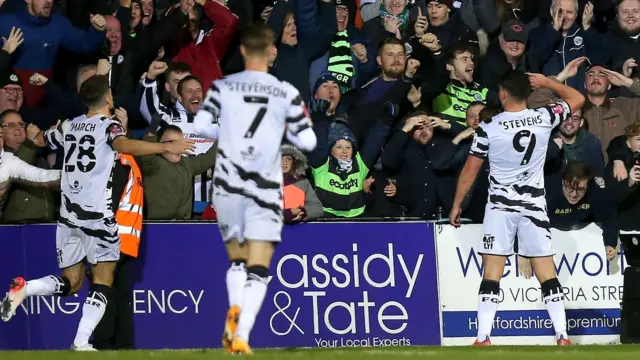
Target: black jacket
column 628, row 197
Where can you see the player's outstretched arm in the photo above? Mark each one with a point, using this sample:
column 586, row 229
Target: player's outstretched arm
column 30, row 175
column 204, row 124
column 570, row 95
column 141, row 148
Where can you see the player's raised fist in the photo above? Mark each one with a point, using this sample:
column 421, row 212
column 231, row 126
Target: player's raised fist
column 156, row 68
column 98, row 22
column 412, row 67
column 181, row 147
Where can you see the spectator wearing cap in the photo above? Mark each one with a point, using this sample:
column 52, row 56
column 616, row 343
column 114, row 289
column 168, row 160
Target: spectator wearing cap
column 326, row 96
column 12, row 98
column 300, row 200
column 607, row 117
column 490, row 15
column 622, row 38
column 340, row 167
column 45, row 33
column 507, row 53
column 25, row 202
column 202, row 50
column 294, row 57
column 567, row 38
column 350, row 56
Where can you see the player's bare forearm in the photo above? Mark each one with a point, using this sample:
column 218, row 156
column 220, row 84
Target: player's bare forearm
column 138, row 147
column 570, row 95
column 467, row 177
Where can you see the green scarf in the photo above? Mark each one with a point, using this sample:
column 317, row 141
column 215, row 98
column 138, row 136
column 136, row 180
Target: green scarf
column 340, row 62
column 403, row 17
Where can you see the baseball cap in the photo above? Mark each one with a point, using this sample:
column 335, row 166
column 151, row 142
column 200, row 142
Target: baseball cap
column 514, row 30
column 10, row 78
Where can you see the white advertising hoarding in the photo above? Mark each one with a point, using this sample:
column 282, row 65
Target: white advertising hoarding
column 592, row 285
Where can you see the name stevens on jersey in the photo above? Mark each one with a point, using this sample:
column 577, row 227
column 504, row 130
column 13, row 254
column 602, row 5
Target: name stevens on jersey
column 256, row 87
column 83, row 126
column 518, row 123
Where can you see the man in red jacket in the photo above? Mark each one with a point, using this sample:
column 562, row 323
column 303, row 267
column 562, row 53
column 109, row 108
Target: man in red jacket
column 204, row 50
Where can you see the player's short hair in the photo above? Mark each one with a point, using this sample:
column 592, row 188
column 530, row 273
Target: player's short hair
column 576, row 170
column 390, row 41
column 4, row 114
column 516, row 83
column 457, row 49
column 179, row 68
column 488, row 113
column 632, row 130
column 168, row 128
column 257, row 39
column 184, row 81
column 93, row 91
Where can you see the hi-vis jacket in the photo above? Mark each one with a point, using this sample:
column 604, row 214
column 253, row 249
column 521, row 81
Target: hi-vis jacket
column 129, row 214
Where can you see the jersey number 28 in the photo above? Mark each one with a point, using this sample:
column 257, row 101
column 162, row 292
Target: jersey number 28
column 528, row 151
column 262, row 100
column 85, row 147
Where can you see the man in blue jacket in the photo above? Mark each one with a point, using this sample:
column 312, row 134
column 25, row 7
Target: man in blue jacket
column 568, row 37
column 44, row 33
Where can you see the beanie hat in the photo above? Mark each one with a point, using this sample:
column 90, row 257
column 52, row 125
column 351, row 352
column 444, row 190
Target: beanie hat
column 448, row 3
column 326, row 76
column 340, row 131
column 10, row 77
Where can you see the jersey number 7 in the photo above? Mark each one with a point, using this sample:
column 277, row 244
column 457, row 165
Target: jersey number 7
column 528, row 151
column 262, row 100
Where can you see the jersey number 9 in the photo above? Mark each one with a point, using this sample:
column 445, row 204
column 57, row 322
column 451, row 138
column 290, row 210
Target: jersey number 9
column 528, row 151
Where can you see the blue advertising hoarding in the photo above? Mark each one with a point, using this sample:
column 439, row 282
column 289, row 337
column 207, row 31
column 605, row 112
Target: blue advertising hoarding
column 332, row 285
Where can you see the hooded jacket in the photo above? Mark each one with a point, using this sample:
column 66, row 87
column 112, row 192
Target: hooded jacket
column 298, row 192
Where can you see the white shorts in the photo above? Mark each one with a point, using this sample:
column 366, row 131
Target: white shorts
column 242, row 218
column 501, row 225
column 97, row 241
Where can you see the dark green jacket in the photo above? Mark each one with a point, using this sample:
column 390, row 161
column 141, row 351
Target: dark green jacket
column 29, row 203
column 168, row 187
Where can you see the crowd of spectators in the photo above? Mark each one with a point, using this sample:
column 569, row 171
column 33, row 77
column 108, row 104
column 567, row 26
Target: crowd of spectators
column 395, row 89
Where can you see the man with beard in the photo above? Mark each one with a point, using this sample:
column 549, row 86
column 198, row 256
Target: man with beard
column 574, row 143
column 182, row 115
column 607, row 117
column 622, row 38
column 450, row 101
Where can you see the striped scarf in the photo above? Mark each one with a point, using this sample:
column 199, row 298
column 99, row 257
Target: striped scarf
column 403, row 17
column 340, row 61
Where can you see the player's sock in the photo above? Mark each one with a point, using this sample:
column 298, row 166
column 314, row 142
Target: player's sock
column 554, row 300
column 488, row 298
column 92, row 311
column 49, row 285
column 236, row 279
column 252, row 297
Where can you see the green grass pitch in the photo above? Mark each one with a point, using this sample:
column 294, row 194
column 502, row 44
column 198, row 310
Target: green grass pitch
column 617, row 352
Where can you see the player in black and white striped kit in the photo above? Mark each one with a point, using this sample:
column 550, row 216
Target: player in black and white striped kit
column 87, row 230
column 253, row 110
column 515, row 143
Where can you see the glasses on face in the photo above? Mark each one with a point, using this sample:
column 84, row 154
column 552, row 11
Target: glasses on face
column 578, row 190
column 12, row 91
column 14, row 125
column 575, row 118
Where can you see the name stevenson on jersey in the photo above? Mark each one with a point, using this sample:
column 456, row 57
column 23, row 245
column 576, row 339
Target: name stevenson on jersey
column 256, row 87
